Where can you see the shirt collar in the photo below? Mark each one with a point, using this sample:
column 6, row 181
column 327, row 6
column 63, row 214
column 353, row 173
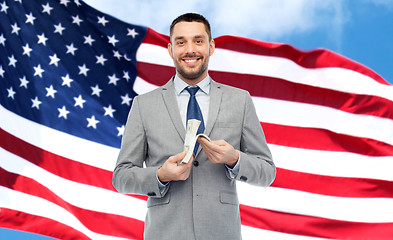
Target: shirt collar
column 180, row 85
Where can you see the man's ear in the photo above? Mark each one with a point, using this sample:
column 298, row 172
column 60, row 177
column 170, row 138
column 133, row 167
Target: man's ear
column 212, row 47
column 170, row 50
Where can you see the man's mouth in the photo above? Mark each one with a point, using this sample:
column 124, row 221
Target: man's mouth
column 191, row 59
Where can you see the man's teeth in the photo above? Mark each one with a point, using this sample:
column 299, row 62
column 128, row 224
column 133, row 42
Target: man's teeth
column 190, row 60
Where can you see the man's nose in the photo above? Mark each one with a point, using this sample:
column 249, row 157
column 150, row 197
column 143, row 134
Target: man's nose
column 190, row 48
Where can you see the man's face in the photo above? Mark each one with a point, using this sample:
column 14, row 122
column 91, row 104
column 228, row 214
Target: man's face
column 190, row 50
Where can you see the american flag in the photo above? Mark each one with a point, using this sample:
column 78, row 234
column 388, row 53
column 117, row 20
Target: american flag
column 68, row 74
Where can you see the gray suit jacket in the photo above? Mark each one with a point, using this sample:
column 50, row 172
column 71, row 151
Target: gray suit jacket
column 205, row 206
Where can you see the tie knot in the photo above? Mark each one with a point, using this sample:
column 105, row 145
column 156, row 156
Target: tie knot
column 192, row 90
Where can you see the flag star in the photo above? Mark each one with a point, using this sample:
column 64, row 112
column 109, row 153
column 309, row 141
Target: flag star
column 12, row 60
column 38, row 71
column 116, row 54
column 96, row 90
column 15, row 29
column 50, row 91
column 11, row 92
column 77, row 3
column 126, row 99
column 23, row 82
column 76, row 20
column 109, row 111
column 79, row 101
column 54, row 60
column 27, row 50
column 126, row 75
column 4, row 7
column 63, row 112
column 132, row 32
column 102, row 20
column 112, row 40
column 101, row 60
column 42, row 39
column 92, row 122
column 89, row 40
column 71, row 49
column 66, row 81
column 64, row 2
column 120, row 130
column 113, row 79
column 36, row 103
column 46, row 8
column 20, row 1
column 2, row 71
column 83, row 70
column 2, row 40
column 59, row 29
column 30, row 18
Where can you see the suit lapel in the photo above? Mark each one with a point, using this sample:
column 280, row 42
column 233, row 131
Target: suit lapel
column 215, row 102
column 168, row 94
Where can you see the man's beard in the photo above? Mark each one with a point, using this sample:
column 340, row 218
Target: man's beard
column 192, row 75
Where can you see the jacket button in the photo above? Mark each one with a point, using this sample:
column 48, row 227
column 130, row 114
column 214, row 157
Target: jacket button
column 196, row 163
column 243, row 178
column 151, row 194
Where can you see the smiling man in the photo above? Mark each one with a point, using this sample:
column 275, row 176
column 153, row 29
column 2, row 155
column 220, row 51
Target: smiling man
column 196, row 200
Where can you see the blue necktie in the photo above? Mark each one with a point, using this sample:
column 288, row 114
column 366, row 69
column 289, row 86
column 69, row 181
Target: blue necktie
column 194, row 112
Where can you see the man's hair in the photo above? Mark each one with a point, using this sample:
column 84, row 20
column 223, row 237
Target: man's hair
column 191, row 17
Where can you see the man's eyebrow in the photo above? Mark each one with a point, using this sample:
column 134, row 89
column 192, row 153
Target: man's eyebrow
column 182, row 37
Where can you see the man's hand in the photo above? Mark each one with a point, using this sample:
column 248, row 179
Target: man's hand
column 171, row 171
column 219, row 151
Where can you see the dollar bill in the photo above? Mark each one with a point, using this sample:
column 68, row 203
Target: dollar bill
column 191, row 138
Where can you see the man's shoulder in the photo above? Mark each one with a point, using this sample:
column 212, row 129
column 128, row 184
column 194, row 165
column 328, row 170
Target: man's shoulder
column 229, row 89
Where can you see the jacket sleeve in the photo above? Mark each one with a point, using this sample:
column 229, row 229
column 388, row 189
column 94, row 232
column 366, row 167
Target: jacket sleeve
column 256, row 165
column 130, row 176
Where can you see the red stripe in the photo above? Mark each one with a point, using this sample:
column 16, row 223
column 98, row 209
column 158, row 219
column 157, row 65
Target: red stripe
column 333, row 186
column 275, row 88
column 325, row 140
column 103, row 223
column 75, row 171
column 313, row 226
column 320, row 58
column 35, row 224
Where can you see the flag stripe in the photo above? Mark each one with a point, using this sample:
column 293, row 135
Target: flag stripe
column 333, row 186
column 22, row 221
column 45, row 209
column 319, row 58
column 313, row 226
column 321, row 139
column 93, row 220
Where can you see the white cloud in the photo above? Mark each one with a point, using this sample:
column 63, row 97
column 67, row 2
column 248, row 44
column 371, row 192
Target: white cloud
column 261, row 19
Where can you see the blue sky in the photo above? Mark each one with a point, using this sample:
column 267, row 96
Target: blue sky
column 358, row 29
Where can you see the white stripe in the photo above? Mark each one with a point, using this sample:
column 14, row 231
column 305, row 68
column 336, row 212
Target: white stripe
column 338, row 164
column 29, row 204
column 58, row 142
column 80, row 195
column 315, row 116
column 250, row 233
column 312, row 116
column 338, row 79
column 141, row 86
column 370, row 210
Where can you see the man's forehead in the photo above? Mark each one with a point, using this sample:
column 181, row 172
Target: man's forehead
column 189, row 29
